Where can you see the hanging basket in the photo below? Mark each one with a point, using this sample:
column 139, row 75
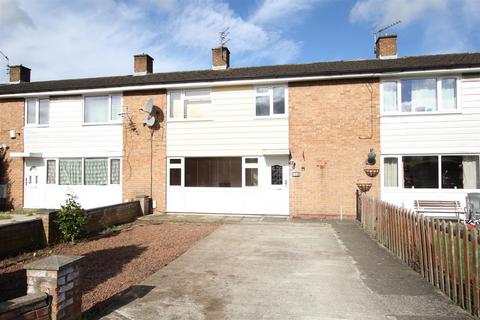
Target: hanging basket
column 371, row 172
column 364, row 187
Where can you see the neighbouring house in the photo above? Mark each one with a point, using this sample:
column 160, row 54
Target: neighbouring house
column 281, row 140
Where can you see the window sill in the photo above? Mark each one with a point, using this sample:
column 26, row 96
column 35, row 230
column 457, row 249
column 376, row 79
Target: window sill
column 409, row 114
column 37, row 126
column 283, row 116
column 88, row 124
column 190, row 120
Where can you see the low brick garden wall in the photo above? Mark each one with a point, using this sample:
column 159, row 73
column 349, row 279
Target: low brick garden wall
column 37, row 233
column 21, row 236
column 32, row 307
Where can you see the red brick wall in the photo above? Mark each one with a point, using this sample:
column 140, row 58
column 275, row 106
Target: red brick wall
column 12, row 117
column 330, row 135
column 137, row 152
column 386, row 46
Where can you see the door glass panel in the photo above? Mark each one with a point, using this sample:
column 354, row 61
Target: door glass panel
column 277, row 175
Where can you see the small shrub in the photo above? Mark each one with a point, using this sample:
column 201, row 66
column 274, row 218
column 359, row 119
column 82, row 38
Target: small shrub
column 71, row 219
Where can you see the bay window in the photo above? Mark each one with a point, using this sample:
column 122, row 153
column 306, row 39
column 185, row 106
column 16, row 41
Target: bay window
column 190, row 104
column 102, row 109
column 420, row 95
column 270, row 100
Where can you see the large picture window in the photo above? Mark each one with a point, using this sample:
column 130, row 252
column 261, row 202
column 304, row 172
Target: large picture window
column 225, row 172
column 88, row 171
column 190, row 104
column 420, row 172
column 433, row 172
column 420, row 95
column 102, row 109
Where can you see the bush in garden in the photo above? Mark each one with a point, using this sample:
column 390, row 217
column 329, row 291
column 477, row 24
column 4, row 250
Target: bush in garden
column 71, row 219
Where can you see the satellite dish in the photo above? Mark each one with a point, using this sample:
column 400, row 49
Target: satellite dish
column 149, row 107
column 149, row 122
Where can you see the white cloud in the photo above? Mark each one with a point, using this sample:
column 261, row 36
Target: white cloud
column 277, row 11
column 444, row 25
column 83, row 38
column 384, row 12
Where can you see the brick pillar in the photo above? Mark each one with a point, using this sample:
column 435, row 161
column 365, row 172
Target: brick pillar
column 145, row 204
column 59, row 277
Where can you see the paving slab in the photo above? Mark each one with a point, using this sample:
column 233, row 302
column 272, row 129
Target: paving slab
column 285, row 270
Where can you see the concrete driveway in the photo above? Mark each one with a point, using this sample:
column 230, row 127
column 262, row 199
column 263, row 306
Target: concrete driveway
column 286, row 271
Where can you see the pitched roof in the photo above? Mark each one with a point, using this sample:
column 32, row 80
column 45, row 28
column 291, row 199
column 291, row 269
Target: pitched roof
column 416, row 63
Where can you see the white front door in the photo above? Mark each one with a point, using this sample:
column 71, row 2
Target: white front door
column 34, row 183
column 277, row 179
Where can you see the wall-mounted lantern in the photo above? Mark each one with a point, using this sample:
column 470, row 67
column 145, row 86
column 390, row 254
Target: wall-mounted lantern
column 371, row 157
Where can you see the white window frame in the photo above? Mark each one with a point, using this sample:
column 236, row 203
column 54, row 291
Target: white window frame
column 37, row 113
column 109, row 121
column 184, row 98
column 120, row 176
column 57, row 173
column 439, row 110
column 401, row 176
column 270, row 94
column 180, row 166
column 245, row 166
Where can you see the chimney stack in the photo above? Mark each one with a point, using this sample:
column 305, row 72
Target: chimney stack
column 143, row 64
column 220, row 58
column 386, row 47
column 19, row 73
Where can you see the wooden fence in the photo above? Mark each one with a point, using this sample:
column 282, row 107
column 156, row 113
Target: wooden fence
column 444, row 253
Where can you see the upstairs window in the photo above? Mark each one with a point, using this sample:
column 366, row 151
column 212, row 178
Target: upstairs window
column 420, row 95
column 190, row 104
column 38, row 112
column 270, row 101
column 102, row 109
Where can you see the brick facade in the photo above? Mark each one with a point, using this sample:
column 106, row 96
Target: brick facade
column 386, row 46
column 137, row 148
column 12, row 118
column 332, row 126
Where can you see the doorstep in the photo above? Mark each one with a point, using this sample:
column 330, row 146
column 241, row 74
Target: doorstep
column 172, row 217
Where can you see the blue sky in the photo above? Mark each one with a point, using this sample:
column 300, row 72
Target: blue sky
column 84, row 38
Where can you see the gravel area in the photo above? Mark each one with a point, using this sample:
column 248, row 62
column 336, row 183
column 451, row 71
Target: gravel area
column 112, row 262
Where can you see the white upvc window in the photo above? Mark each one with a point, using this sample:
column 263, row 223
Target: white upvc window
column 250, row 172
column 102, row 109
column 175, row 172
column 37, row 112
column 192, row 104
column 100, row 171
column 271, row 101
column 452, row 171
column 420, row 95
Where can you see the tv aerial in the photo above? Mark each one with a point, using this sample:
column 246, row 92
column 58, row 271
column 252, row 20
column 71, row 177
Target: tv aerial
column 223, row 37
column 149, row 108
column 8, row 62
column 378, row 32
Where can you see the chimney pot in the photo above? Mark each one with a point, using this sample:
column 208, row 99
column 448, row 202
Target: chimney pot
column 220, row 58
column 143, row 64
column 386, row 47
column 19, row 73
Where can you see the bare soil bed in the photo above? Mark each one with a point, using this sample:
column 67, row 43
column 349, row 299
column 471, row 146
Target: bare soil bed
column 113, row 262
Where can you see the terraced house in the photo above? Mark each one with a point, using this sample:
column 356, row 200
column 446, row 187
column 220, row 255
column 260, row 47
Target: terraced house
column 281, row 140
